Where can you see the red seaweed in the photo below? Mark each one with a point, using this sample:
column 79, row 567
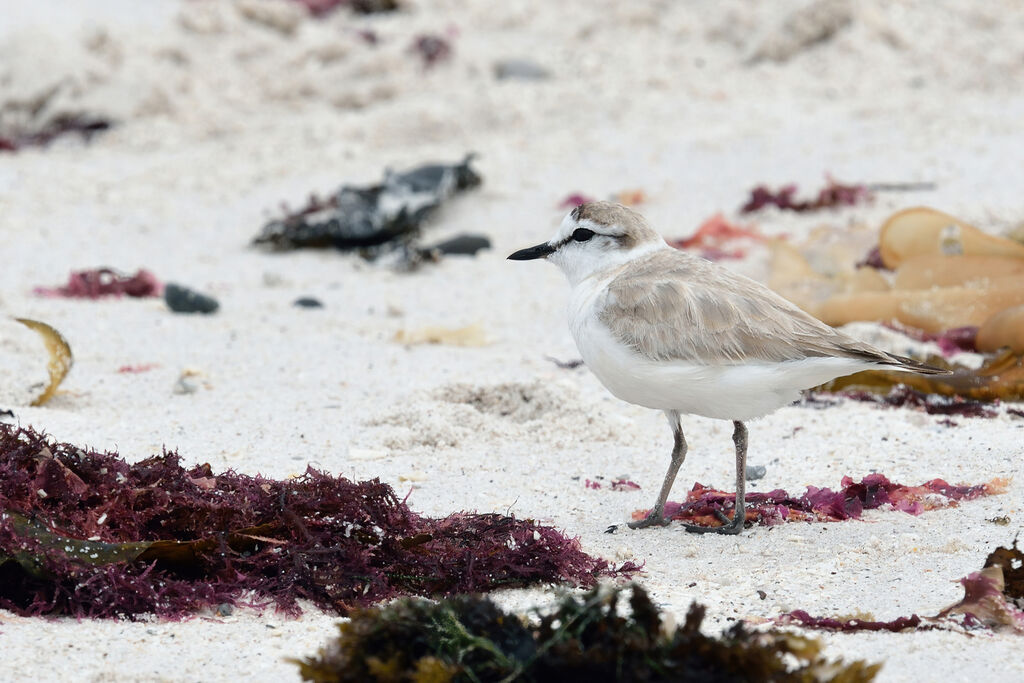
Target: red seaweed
column 90, row 535
column 96, row 283
column 713, row 236
column 798, row 617
column 991, row 601
column 934, row 404
column 136, row 369
column 575, row 199
column 832, row 195
column 432, row 49
column 950, row 342
column 874, row 491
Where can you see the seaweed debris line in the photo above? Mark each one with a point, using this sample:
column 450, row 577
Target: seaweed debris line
column 389, row 213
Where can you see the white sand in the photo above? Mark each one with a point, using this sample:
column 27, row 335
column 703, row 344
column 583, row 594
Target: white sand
column 225, row 117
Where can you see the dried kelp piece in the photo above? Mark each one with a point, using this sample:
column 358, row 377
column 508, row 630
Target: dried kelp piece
column 43, row 133
column 704, row 505
column 715, row 235
column 369, row 217
column 470, row 335
column 88, row 534
column 1011, row 560
column 832, row 195
column 999, row 378
column 584, row 638
column 95, row 283
column 60, row 361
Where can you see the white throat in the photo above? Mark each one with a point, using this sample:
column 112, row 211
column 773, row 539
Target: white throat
column 581, row 264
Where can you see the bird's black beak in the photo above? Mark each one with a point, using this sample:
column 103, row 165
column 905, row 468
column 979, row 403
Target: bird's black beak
column 530, row 253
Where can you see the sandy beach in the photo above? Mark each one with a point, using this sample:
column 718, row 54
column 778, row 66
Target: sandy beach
column 224, row 111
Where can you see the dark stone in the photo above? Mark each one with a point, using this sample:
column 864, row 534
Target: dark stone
column 755, row 472
column 307, row 302
column 465, row 245
column 521, row 69
column 184, row 300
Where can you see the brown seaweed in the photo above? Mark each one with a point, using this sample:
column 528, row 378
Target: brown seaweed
column 585, row 638
column 84, row 125
column 87, row 534
column 999, row 378
column 61, row 359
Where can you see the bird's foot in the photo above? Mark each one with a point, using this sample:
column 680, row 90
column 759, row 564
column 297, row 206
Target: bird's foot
column 655, row 518
column 729, row 526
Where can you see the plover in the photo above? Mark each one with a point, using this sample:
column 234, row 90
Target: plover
column 669, row 330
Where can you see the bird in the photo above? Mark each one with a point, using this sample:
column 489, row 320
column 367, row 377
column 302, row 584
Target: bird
column 669, row 330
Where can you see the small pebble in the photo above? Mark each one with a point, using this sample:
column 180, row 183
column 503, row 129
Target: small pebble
column 186, row 385
column 520, row 69
column 184, row 300
column 755, row 472
column 307, row 302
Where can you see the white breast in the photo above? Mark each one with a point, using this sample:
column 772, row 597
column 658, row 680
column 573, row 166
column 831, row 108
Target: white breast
column 727, row 392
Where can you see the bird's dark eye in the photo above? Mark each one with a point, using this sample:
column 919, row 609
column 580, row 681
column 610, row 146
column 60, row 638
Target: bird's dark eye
column 582, row 234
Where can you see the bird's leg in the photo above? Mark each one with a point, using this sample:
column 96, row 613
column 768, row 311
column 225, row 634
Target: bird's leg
column 739, row 517
column 656, row 517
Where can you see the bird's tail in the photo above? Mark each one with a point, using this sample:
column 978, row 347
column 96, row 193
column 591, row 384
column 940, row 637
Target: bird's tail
column 911, row 365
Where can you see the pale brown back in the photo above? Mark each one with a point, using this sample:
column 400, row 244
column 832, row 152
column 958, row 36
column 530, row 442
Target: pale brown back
column 673, row 306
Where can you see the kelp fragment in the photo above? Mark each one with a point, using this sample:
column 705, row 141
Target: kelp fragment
column 60, row 361
column 585, row 638
column 714, row 237
column 704, row 504
column 87, row 534
column 369, row 217
column 999, row 378
column 95, row 283
column 470, row 335
column 38, row 134
column 832, row 195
